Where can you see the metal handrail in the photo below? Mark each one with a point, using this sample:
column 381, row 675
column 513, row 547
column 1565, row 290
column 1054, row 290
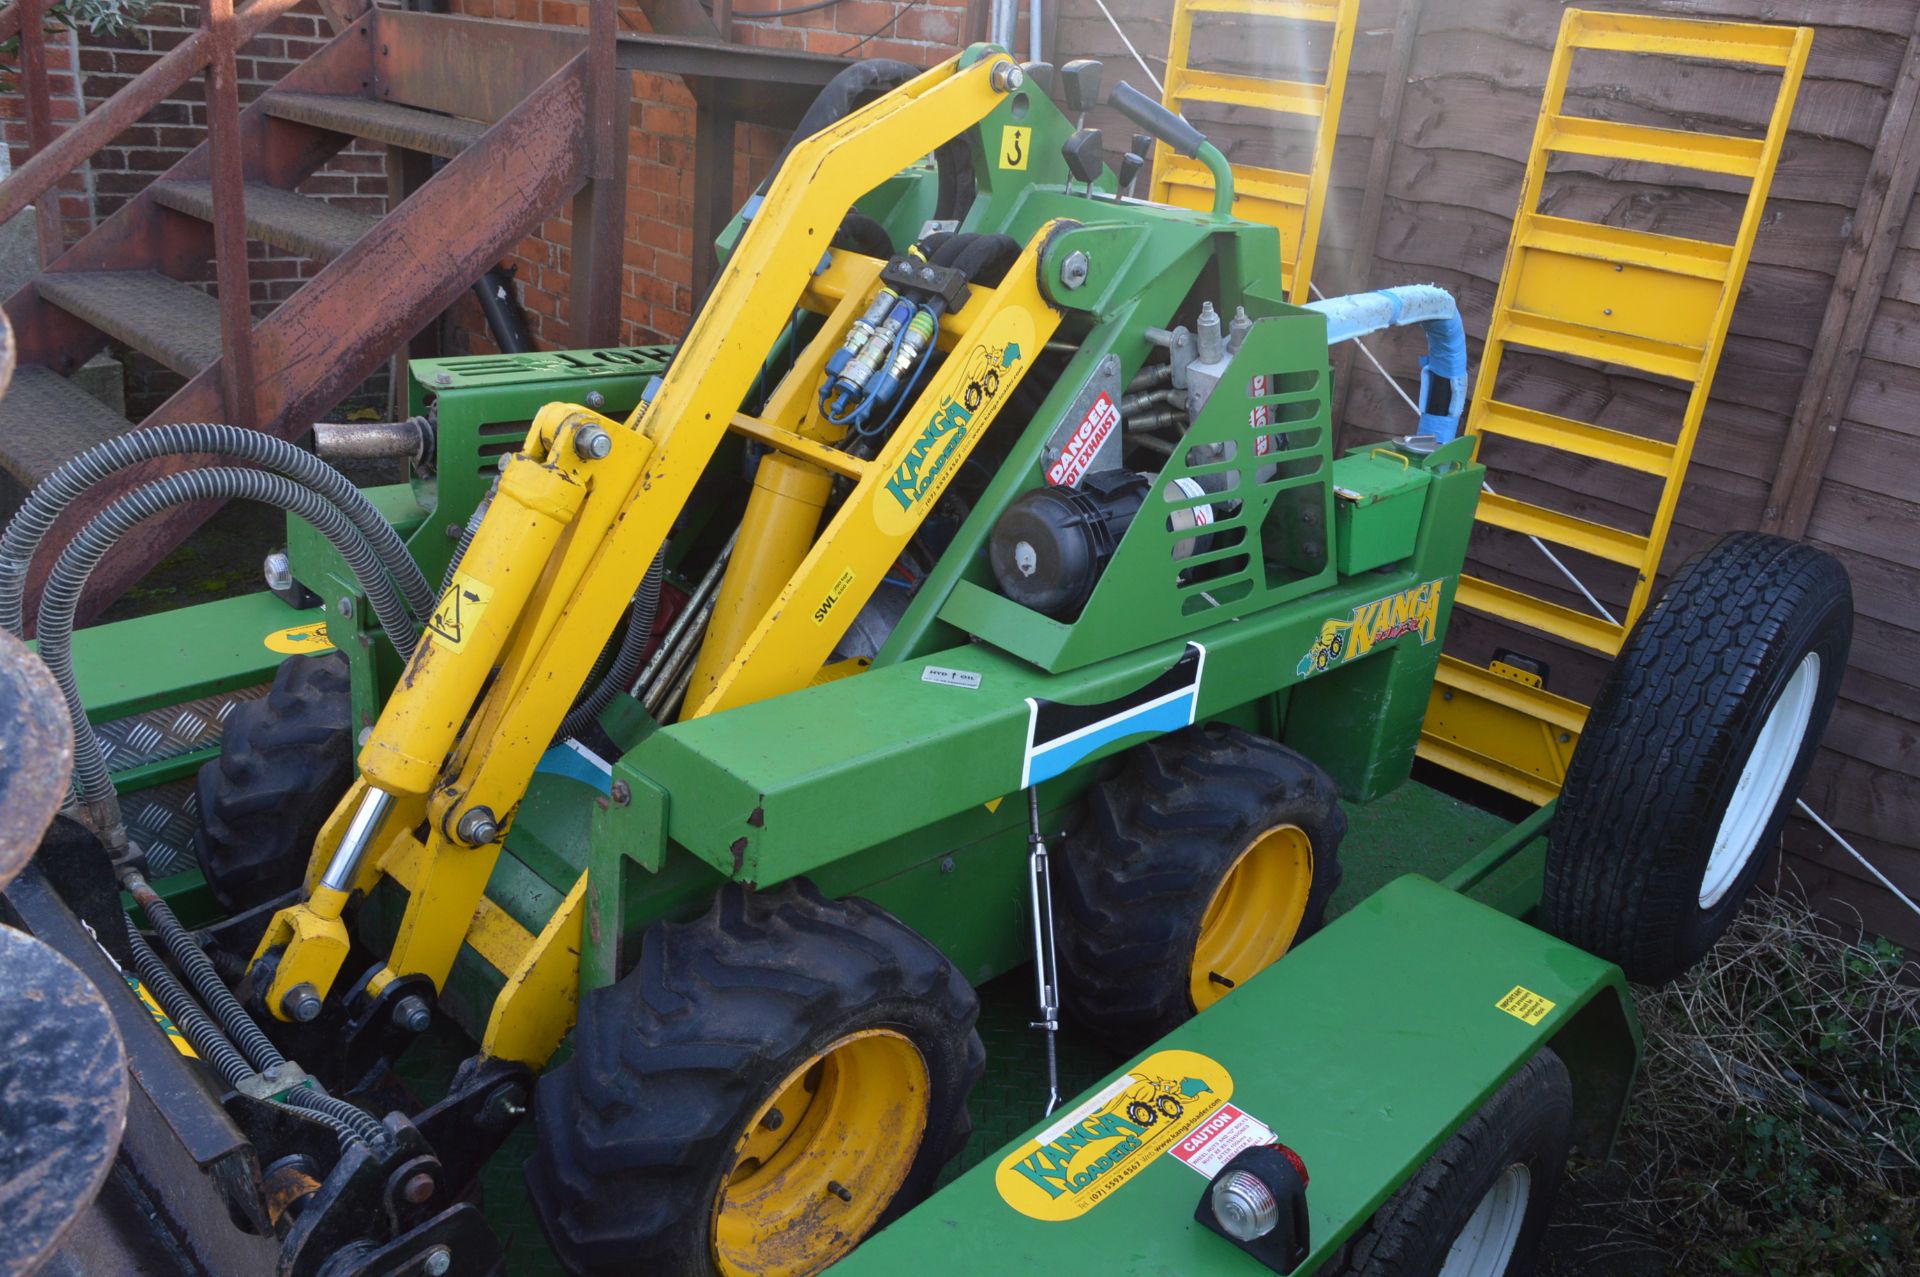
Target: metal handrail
column 53, row 158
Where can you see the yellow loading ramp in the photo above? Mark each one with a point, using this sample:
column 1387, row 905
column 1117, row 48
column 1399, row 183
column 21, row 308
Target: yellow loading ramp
column 1656, row 303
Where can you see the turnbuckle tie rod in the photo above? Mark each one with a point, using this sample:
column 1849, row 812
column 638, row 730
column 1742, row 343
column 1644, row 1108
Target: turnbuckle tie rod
column 1046, row 969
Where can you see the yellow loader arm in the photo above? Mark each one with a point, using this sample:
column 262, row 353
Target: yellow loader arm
column 581, row 512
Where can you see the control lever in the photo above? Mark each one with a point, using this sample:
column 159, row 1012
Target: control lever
column 1086, row 156
column 1180, row 135
column 1080, row 82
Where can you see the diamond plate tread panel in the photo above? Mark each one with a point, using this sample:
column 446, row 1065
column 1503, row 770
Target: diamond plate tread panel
column 171, row 731
column 161, row 822
column 175, row 323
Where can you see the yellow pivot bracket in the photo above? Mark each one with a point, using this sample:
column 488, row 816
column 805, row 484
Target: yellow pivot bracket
column 1660, row 304
column 461, row 768
column 1290, row 201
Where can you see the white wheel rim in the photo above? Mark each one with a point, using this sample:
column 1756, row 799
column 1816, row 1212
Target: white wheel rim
column 1485, row 1245
column 1762, row 781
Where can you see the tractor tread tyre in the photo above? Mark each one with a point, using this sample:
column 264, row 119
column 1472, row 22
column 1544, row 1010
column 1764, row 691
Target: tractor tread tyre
column 1133, row 881
column 1664, row 747
column 635, row 1131
column 285, row 760
column 1530, row 1120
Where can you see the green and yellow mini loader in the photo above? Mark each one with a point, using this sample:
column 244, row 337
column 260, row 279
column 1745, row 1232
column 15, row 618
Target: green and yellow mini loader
column 976, row 589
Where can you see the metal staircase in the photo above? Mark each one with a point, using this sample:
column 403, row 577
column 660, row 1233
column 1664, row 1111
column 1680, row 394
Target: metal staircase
column 491, row 128
column 1659, row 304
column 1290, row 201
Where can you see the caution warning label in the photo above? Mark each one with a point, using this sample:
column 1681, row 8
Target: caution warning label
column 458, row 615
column 1220, row 1139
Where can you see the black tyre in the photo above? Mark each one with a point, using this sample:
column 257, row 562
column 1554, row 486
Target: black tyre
column 1694, row 753
column 772, row 1082
column 1480, row 1206
column 284, row 762
column 1207, row 857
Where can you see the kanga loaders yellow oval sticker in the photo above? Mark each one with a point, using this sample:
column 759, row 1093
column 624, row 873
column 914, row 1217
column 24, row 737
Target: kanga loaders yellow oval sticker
column 1077, row 1162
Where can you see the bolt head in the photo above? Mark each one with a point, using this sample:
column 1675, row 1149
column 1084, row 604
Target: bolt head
column 596, row 400
column 413, row 1014
column 418, row 1189
column 344, row 607
column 1074, row 270
column 438, row 1262
column 622, row 793
column 301, row 1004
column 1008, row 77
column 592, row 443
column 443, row 379
column 477, row 827
column 278, row 571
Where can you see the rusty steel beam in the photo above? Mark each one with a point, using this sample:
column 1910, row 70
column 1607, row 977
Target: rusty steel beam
column 600, row 209
column 10, row 20
column 336, row 331
column 114, row 116
column 229, row 217
column 475, row 68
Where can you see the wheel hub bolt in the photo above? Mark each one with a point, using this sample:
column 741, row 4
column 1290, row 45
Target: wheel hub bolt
column 839, row 1190
column 301, row 1003
column 1245, row 1206
column 773, row 1119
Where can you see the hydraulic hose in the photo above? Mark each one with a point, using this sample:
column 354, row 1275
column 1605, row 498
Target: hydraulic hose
column 223, row 1057
column 198, row 969
column 173, row 998
column 364, row 1125
column 1445, row 363
column 50, row 498
column 626, row 663
column 466, row 537
column 61, row 598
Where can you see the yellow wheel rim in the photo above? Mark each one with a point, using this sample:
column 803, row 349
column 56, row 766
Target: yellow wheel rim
column 805, row 1186
column 1254, row 915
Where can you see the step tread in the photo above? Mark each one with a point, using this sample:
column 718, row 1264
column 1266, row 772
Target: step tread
column 1549, row 430
column 1670, row 254
column 285, row 219
column 1645, row 144
column 1599, row 539
column 1584, row 628
column 402, row 126
column 1284, row 97
column 45, row 420
column 1584, row 341
column 175, row 323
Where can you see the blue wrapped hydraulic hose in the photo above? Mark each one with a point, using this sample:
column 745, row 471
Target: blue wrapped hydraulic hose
column 1432, row 308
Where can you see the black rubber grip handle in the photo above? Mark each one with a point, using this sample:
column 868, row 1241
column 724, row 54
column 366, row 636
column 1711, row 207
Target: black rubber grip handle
column 1156, row 119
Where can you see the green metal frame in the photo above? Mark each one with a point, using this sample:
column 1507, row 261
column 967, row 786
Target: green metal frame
column 1327, row 636
column 1363, row 1052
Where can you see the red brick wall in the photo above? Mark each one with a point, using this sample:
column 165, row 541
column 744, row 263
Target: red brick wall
column 123, row 168
column 656, row 294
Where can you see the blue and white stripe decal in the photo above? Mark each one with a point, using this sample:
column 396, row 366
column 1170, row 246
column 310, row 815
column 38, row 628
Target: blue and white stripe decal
column 576, row 762
column 1061, row 736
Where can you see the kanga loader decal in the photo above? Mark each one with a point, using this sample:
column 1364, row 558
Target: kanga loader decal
column 1342, row 639
column 1089, row 1152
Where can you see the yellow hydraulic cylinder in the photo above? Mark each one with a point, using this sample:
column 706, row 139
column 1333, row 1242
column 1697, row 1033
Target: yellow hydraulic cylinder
column 470, row 627
column 781, row 522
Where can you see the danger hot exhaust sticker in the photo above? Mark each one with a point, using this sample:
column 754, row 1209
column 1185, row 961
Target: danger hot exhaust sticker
column 1087, row 1153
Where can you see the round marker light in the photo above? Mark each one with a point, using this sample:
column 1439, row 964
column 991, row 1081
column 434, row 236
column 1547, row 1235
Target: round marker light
column 1245, row 1206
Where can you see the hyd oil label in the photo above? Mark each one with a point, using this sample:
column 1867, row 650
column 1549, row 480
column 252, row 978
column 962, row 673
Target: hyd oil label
column 1076, row 1163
